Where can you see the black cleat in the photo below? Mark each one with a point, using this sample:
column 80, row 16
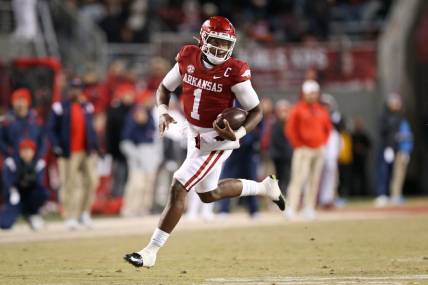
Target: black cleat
column 280, row 202
column 135, row 259
column 145, row 258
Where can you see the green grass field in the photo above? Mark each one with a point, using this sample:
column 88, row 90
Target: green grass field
column 381, row 251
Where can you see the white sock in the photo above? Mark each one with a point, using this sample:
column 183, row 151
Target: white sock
column 158, row 240
column 251, row 188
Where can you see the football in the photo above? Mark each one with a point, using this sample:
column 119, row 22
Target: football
column 235, row 116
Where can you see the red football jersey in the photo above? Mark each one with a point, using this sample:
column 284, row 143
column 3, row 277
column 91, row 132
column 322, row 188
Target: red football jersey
column 207, row 92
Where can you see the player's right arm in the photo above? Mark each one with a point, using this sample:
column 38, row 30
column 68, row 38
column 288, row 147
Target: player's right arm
column 170, row 82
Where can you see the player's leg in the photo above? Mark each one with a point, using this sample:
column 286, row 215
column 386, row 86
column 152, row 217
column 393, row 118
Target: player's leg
column 169, row 219
column 210, row 190
column 174, row 208
column 230, row 188
column 193, row 169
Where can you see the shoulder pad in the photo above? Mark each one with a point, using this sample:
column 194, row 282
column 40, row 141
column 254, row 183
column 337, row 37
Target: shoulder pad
column 186, row 51
column 241, row 70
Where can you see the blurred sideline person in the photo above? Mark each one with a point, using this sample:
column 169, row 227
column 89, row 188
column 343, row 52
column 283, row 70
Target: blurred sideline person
column 360, row 152
column 140, row 151
column 329, row 174
column 95, row 91
column 21, row 122
column 266, row 164
column 116, row 118
column 404, row 149
column 24, row 193
column 308, row 128
column 390, row 122
column 74, row 142
column 280, row 149
column 211, row 79
column 345, row 161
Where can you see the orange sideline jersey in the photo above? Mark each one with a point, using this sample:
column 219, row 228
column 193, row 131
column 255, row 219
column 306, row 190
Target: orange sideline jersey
column 308, row 125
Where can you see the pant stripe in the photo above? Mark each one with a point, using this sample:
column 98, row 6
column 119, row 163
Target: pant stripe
column 208, row 170
column 198, row 172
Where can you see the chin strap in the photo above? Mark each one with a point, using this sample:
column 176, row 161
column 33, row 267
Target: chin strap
column 205, row 60
column 207, row 63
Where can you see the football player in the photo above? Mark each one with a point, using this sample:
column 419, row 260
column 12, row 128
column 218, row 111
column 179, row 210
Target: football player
column 211, row 80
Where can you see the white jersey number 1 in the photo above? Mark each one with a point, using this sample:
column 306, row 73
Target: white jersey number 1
column 194, row 114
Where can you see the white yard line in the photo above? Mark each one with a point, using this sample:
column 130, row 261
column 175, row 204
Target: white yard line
column 319, row 280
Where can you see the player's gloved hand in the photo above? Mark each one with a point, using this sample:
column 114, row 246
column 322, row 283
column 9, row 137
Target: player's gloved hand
column 226, row 132
column 164, row 121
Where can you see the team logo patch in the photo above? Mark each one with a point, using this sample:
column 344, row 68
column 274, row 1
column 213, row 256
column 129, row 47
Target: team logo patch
column 190, row 68
column 247, row 73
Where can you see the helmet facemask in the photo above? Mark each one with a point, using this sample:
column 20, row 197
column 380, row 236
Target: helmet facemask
column 217, row 47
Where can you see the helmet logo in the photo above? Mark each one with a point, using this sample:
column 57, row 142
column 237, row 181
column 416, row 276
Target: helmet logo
column 190, row 68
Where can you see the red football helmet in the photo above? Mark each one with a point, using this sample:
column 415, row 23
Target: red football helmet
column 218, row 38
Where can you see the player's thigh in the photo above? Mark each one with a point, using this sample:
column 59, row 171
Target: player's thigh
column 210, row 181
column 193, row 167
column 198, row 165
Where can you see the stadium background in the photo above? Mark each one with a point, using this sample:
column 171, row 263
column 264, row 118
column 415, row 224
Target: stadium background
column 362, row 51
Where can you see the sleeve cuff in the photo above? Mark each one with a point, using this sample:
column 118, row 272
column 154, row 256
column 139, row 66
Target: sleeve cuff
column 240, row 133
column 162, row 109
